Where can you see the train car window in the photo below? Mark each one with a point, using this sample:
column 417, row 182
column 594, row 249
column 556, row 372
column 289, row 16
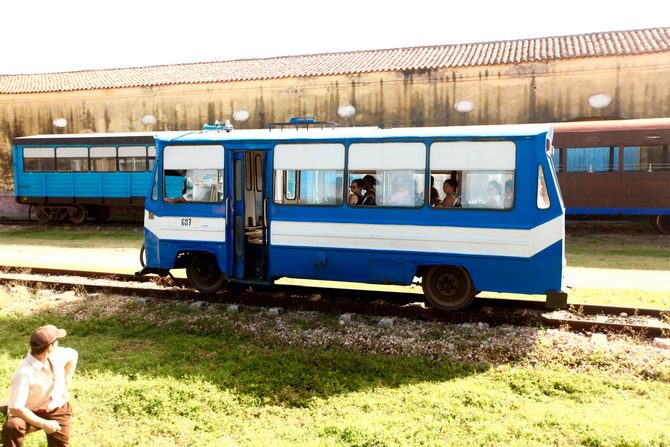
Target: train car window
column 646, row 158
column 39, row 159
column 72, row 159
column 591, row 159
column 103, row 159
column 393, row 174
column 133, row 158
column 308, row 174
column 473, row 174
column 542, row 195
column 191, row 174
column 151, row 155
column 557, row 159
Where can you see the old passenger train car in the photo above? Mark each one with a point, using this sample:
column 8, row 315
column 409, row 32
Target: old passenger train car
column 71, row 177
column 618, row 167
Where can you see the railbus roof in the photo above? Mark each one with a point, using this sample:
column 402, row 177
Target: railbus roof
column 495, row 131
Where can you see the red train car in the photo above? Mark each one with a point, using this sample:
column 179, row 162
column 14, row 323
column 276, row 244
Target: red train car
column 617, row 167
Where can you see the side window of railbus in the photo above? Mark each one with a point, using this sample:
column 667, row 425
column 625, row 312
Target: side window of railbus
column 72, row 159
column 473, row 174
column 542, row 195
column 390, row 174
column 39, row 159
column 193, row 174
column 103, row 159
column 308, row 174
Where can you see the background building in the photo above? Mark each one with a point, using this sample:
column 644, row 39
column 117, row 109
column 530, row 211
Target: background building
column 601, row 75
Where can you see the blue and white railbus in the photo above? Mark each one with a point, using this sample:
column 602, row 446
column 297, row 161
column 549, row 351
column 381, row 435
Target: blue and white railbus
column 466, row 209
column 73, row 176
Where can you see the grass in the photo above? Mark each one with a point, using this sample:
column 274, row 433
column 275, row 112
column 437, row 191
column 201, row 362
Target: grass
column 74, row 236
column 173, row 375
column 646, row 251
column 178, row 376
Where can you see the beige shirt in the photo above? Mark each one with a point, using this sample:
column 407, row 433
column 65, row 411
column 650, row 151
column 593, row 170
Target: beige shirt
column 36, row 387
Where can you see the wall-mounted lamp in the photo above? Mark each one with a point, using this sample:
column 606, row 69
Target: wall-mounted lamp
column 241, row 115
column 60, row 122
column 600, row 101
column 464, row 106
column 147, row 119
column 346, row 111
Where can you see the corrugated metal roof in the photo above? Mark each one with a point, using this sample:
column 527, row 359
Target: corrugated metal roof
column 605, row 44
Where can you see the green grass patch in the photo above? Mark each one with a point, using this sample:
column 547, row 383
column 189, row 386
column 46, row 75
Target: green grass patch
column 172, row 375
column 645, row 251
column 74, row 236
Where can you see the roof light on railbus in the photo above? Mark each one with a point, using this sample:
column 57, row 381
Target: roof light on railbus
column 218, row 125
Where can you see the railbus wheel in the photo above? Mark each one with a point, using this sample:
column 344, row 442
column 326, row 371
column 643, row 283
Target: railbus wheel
column 448, row 287
column 77, row 215
column 663, row 223
column 204, row 274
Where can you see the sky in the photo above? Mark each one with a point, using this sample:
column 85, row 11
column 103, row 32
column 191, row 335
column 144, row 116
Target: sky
column 47, row 36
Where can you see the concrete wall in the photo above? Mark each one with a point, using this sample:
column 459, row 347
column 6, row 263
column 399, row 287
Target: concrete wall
column 639, row 87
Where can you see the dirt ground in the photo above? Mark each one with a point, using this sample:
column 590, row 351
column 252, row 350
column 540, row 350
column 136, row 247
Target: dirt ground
column 127, row 261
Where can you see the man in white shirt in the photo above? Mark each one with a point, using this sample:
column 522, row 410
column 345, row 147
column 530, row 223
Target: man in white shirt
column 39, row 396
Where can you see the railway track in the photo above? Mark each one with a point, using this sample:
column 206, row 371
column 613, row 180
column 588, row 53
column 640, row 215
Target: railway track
column 577, row 317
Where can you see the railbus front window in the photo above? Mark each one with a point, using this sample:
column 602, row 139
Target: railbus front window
column 308, row 174
column 473, row 174
column 191, row 174
column 393, row 174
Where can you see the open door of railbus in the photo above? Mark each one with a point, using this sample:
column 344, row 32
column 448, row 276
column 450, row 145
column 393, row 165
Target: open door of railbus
column 247, row 223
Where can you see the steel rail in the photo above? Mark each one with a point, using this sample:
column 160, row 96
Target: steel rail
column 381, row 303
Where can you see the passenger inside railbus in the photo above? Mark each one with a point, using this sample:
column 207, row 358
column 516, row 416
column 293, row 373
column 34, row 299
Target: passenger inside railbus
column 356, row 195
column 494, row 189
column 186, row 192
column 370, row 195
column 449, row 187
column 401, row 195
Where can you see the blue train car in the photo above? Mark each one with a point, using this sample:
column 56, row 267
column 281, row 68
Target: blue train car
column 466, row 209
column 69, row 177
